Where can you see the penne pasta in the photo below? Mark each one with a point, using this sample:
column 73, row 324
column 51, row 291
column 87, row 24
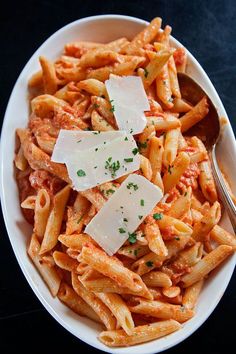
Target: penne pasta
column 141, row 334
column 157, row 279
column 191, row 294
column 48, row 273
column 41, row 213
column 195, row 115
column 222, row 237
column 69, row 297
column 174, row 172
column 54, row 221
column 207, row 264
column 119, row 309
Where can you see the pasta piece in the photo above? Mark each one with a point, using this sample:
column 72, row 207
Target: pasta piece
column 143, row 37
column 75, row 241
column 93, row 301
column 119, row 309
column 174, row 84
column 29, row 202
column 141, row 334
column 36, row 79
column 154, row 68
column 175, row 171
column 177, row 244
column 161, row 310
column 170, row 147
column 145, row 167
column 163, row 87
column 206, row 265
column 181, row 206
column 188, row 257
column 223, row 237
column 69, row 297
column 144, row 139
column 191, row 294
column 55, row 220
column 20, row 160
column 41, row 213
column 64, row 261
column 108, row 285
column 155, row 155
column 178, row 227
column 94, row 197
column 92, row 86
column 202, row 227
column 194, row 116
column 48, row 273
column 111, row 267
column 147, row 263
column 76, row 215
column 171, row 292
column 180, row 106
column 157, row 279
column 180, row 57
column 154, row 238
column 97, row 58
column 46, row 143
column 49, row 76
column 99, row 123
column 163, row 124
column 134, row 251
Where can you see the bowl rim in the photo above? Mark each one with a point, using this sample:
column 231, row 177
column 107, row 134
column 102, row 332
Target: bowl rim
column 7, row 221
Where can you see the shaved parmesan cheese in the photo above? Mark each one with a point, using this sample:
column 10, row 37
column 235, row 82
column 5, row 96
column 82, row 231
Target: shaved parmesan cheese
column 123, row 213
column 129, row 101
column 93, row 158
column 72, row 141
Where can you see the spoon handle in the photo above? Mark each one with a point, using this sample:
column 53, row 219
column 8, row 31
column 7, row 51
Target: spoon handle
column 223, row 191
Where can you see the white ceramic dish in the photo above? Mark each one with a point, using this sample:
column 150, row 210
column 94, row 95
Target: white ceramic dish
column 102, row 29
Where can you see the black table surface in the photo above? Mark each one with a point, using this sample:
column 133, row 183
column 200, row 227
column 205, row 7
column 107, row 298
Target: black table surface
column 208, row 30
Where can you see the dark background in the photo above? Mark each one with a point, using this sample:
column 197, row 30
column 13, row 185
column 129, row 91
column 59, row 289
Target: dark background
column 208, row 30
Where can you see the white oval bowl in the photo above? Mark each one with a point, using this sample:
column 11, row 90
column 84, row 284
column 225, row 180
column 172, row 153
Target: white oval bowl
column 101, row 29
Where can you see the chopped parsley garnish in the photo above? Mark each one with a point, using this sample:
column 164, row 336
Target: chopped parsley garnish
column 135, row 151
column 164, row 82
column 104, row 142
column 121, row 230
column 130, row 159
column 146, row 72
column 79, row 141
column 157, row 216
column 185, row 194
column 109, row 191
column 177, row 238
column 112, row 109
column 132, row 237
column 125, row 220
column 140, row 217
column 149, row 264
column 95, row 167
column 96, row 149
column 142, row 202
column 131, row 131
column 103, row 96
column 81, row 173
column 170, row 99
column 95, row 105
column 142, row 145
column 135, row 253
column 78, row 221
column 112, row 166
column 169, row 169
column 96, row 133
column 126, row 139
column 132, row 185
column 121, row 207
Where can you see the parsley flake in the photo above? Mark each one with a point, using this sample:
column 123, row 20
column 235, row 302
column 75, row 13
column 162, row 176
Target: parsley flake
column 146, row 72
column 81, row 173
column 157, row 216
column 121, row 230
column 112, row 166
column 132, row 185
column 132, row 237
column 142, row 145
column 177, row 238
column 149, row 264
column 142, row 202
column 140, row 217
column 109, row 191
column 95, row 105
column 125, row 220
column 135, row 151
column 169, row 169
column 126, row 139
column 112, row 109
column 79, row 141
column 130, row 159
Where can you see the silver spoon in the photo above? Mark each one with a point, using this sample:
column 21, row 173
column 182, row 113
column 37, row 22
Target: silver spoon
column 208, row 130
